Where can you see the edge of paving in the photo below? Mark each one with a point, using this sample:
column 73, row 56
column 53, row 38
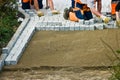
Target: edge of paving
column 6, row 50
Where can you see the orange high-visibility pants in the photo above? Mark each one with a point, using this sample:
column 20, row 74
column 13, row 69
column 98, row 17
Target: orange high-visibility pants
column 113, row 5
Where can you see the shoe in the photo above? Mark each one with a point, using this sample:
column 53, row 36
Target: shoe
column 55, row 12
column 39, row 13
column 66, row 13
column 118, row 23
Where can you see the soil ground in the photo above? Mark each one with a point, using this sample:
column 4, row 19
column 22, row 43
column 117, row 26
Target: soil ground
column 66, row 55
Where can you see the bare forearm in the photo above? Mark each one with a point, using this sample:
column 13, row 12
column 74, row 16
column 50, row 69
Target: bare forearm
column 95, row 12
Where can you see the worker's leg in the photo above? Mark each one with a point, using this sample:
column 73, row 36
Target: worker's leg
column 36, row 5
column 117, row 14
column 25, row 5
column 99, row 5
column 51, row 5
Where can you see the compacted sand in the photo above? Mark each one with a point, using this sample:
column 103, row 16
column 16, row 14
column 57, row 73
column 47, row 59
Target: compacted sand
column 65, row 55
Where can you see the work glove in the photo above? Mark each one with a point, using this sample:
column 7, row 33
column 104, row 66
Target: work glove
column 39, row 13
column 105, row 19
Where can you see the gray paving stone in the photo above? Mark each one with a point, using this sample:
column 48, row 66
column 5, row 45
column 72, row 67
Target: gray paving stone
column 81, row 22
column 72, row 28
column 3, row 56
column 5, row 50
column 1, row 64
column 48, row 28
column 92, row 27
column 92, row 21
column 99, row 26
column 87, row 27
column 82, row 27
column 111, row 24
column 86, row 22
column 66, row 28
column 56, row 28
column 62, row 28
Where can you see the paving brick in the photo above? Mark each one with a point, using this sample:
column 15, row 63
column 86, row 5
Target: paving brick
column 81, row 22
column 91, row 21
column 56, row 28
column 87, row 22
column 3, row 56
column 111, row 24
column 5, row 50
column 99, row 26
column 1, row 64
column 66, row 28
column 92, row 27
column 87, row 27
column 82, row 27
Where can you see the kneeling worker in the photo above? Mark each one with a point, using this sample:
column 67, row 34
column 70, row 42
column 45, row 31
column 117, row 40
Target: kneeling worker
column 85, row 7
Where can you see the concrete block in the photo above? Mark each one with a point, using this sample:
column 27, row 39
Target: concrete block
column 81, row 22
column 98, row 20
column 7, row 61
column 1, row 64
column 111, row 24
column 31, row 13
column 87, row 27
column 5, row 50
column 37, row 28
column 77, row 26
column 18, row 54
column 72, row 28
column 36, row 18
column 52, row 28
column 82, row 27
column 3, row 56
column 91, row 21
column 62, row 28
column 56, row 28
column 48, row 28
column 66, row 28
column 92, row 27
column 27, row 10
column 99, row 26
column 32, row 18
column 87, row 22
column 14, row 62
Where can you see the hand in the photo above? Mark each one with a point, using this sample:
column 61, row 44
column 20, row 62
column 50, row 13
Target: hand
column 105, row 19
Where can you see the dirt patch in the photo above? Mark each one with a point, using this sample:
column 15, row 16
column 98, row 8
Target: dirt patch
column 71, row 48
column 47, row 73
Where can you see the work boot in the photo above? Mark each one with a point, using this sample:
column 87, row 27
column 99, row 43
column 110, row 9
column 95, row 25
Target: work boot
column 66, row 13
column 118, row 23
column 55, row 12
column 39, row 13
